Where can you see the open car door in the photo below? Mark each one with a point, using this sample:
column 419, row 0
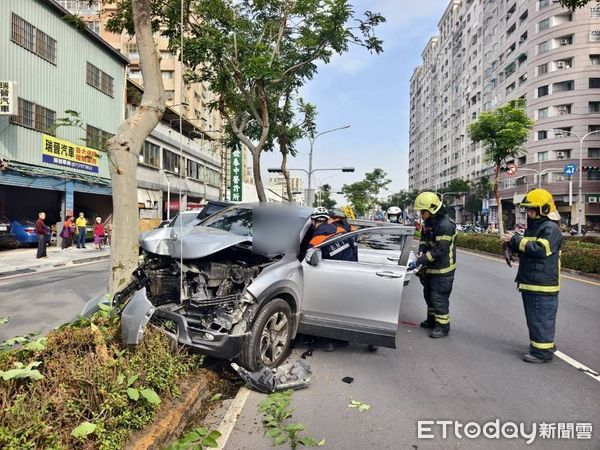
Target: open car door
column 357, row 300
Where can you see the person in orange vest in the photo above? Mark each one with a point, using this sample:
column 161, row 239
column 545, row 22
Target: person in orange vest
column 325, row 230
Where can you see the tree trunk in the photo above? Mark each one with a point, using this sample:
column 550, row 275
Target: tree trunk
column 260, row 189
column 286, row 175
column 498, row 201
column 124, row 148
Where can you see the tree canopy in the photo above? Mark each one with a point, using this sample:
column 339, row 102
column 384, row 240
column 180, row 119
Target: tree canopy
column 254, row 53
column 363, row 195
column 503, row 132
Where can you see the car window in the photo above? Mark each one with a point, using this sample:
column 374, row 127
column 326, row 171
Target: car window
column 185, row 218
column 236, row 220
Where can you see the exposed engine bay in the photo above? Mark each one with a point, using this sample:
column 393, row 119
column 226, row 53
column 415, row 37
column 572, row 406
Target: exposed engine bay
column 208, row 292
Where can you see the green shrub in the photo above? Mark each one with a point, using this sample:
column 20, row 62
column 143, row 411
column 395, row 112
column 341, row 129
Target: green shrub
column 578, row 253
column 85, row 398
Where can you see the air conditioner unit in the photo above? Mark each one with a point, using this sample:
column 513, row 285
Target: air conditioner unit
column 593, row 199
column 564, row 41
column 560, row 155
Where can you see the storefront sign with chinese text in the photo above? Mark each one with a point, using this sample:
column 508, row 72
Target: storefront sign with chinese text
column 66, row 154
column 8, row 98
column 236, row 176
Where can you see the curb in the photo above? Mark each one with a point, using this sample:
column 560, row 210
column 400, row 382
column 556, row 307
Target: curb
column 47, row 267
column 173, row 418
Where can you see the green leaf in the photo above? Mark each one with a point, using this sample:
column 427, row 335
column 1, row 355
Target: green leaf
column 210, row 442
column 294, row 427
column 37, row 345
column 84, row 429
column 14, row 341
column 359, row 405
column 20, row 371
column 4, row 320
column 120, row 379
column 105, row 307
column 132, row 379
column 151, row 396
column 216, row 397
column 133, row 394
column 274, row 432
column 311, row 442
column 281, row 439
column 214, row 434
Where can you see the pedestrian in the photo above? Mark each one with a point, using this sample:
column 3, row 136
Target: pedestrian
column 437, row 256
column 538, row 275
column 80, row 224
column 98, row 233
column 67, row 232
column 41, row 230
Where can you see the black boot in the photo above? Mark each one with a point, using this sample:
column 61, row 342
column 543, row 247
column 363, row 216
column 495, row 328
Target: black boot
column 439, row 332
column 428, row 323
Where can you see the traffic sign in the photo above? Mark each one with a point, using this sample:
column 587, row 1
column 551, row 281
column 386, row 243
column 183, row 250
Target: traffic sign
column 569, row 169
column 512, row 168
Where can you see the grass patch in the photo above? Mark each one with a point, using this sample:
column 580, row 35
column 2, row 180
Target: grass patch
column 94, row 392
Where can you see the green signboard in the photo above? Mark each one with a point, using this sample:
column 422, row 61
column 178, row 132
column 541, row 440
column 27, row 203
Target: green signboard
column 235, row 192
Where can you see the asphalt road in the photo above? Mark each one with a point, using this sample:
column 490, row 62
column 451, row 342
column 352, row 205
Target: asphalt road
column 36, row 303
column 474, row 375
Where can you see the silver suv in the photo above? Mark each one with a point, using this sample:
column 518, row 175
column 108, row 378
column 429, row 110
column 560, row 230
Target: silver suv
column 242, row 284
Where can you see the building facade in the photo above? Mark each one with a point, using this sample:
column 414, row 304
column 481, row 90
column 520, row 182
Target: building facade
column 54, row 67
column 191, row 99
column 487, row 53
column 296, row 185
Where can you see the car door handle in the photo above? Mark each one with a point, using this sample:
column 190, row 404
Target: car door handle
column 388, row 274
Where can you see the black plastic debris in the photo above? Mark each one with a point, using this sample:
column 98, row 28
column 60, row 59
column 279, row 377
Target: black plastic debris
column 308, row 352
column 348, row 380
column 291, row 375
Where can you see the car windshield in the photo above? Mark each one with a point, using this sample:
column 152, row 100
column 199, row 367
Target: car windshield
column 236, row 220
column 184, row 218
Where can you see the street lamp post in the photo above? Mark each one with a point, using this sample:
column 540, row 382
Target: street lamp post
column 580, row 187
column 310, row 155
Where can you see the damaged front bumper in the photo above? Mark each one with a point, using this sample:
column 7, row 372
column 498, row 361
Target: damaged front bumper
column 139, row 312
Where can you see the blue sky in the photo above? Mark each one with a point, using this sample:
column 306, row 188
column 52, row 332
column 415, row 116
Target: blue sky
column 370, row 93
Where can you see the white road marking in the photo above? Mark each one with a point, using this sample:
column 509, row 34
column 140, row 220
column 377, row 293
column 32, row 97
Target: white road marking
column 578, row 365
column 231, row 416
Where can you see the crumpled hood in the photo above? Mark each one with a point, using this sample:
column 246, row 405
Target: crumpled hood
column 193, row 242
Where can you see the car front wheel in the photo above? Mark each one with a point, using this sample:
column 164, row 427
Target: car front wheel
column 269, row 339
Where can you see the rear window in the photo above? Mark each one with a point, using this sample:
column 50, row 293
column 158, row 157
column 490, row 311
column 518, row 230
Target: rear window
column 237, row 221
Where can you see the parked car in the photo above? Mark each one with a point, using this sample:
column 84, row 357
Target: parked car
column 24, row 231
column 7, row 239
column 250, row 284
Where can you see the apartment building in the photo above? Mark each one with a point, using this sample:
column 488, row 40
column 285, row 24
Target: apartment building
column 488, row 52
column 296, row 185
column 189, row 99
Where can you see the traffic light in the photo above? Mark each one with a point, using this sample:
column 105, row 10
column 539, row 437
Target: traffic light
column 589, row 168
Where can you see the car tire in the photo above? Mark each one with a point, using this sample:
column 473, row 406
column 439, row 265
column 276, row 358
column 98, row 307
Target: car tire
column 270, row 335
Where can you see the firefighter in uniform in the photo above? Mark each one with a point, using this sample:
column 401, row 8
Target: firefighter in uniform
column 437, row 256
column 538, row 276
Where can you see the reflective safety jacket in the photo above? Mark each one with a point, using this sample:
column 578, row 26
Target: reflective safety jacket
column 438, row 247
column 539, row 257
column 341, row 249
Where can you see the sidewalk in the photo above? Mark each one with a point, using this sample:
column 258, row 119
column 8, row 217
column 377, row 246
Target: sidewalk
column 23, row 260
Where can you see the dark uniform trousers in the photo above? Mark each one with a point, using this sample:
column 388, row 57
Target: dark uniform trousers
column 436, row 291
column 540, row 313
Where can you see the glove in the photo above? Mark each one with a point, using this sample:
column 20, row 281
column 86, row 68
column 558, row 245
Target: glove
column 412, row 265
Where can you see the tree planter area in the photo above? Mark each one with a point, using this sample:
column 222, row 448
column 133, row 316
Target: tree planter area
column 578, row 253
column 80, row 388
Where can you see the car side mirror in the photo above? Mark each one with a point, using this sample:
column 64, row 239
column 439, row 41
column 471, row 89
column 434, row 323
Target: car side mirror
column 314, row 256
